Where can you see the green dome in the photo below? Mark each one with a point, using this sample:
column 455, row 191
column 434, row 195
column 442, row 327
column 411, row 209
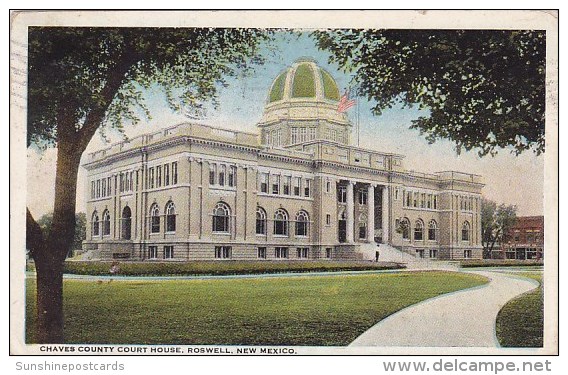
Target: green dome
column 304, row 80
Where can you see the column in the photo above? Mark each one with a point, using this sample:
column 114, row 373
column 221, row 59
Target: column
column 371, row 213
column 349, row 212
column 385, row 222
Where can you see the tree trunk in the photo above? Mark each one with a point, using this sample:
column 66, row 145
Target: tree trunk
column 49, row 258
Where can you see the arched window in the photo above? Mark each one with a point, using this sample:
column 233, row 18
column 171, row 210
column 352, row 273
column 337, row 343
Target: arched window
column 126, row 223
column 418, row 230
column 260, row 221
column 221, row 218
column 155, row 219
column 281, row 222
column 95, row 221
column 405, row 228
column 465, row 231
column 106, row 223
column 302, row 220
column 432, row 229
column 170, row 217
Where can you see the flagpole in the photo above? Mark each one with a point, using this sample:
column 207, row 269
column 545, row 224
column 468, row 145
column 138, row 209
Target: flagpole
column 358, row 125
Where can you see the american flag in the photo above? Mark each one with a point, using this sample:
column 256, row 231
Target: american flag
column 345, row 103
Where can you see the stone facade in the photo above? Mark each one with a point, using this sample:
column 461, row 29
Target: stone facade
column 297, row 191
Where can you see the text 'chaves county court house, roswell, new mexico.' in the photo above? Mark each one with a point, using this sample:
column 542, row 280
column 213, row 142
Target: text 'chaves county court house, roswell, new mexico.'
column 299, row 191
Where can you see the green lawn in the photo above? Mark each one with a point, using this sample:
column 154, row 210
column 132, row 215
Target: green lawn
column 323, row 310
column 520, row 322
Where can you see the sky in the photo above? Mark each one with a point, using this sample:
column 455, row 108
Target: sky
column 509, row 179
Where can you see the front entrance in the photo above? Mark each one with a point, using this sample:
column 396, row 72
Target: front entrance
column 342, row 230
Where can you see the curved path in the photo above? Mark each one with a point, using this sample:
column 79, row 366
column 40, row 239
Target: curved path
column 461, row 319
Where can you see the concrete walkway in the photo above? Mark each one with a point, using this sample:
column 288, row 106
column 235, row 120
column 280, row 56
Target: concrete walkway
column 460, row 319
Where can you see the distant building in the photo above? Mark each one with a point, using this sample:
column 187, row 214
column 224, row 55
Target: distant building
column 525, row 240
column 297, row 190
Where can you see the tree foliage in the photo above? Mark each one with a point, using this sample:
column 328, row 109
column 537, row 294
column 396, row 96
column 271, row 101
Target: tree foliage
column 496, row 221
column 484, row 89
column 80, row 228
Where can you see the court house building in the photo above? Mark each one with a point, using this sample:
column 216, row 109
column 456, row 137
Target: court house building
column 299, row 189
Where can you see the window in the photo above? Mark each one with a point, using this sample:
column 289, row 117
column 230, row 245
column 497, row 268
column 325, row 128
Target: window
column 168, row 252
column 362, row 197
column 342, row 194
column 405, row 228
column 286, row 185
column 154, row 219
column 222, row 174
column 221, row 216
column 151, row 178
column 435, row 202
column 126, row 223
column 106, row 223
column 174, row 173
column 362, row 230
column 93, row 189
column 275, row 184
column 415, row 200
column 432, row 229
column 297, row 186
column 170, row 217
column 307, row 188
column 465, row 231
column 328, row 219
column 429, row 201
column 433, row 253
column 422, row 200
column 166, row 174
column 302, row 220
column 212, row 173
column 281, row 252
column 98, row 188
column 328, row 186
column 223, row 252
column 281, row 222
column 264, row 182
column 232, row 179
column 152, row 252
column 467, row 254
column 158, row 176
column 260, row 221
column 262, row 252
column 302, row 252
column 418, row 230
column 95, row 222
column 328, row 252
column 408, row 198
column 104, row 187
column 420, row 253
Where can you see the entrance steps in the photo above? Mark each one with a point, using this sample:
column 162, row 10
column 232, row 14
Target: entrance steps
column 388, row 253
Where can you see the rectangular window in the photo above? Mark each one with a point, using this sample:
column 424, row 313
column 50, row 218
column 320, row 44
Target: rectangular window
column 328, row 186
column 222, row 174
column 152, row 252
column 422, row 200
column 212, row 173
column 223, row 252
column 275, row 184
column 262, row 252
column 104, row 186
column 93, row 190
column 121, row 182
column 151, row 178
column 467, row 254
column 131, row 186
column 168, row 252
column 433, row 253
column 174, row 172
column 302, row 252
column 98, row 188
column 286, row 185
column 342, row 194
column 362, row 197
column 297, row 186
column 232, row 176
column 328, row 252
column 435, row 202
column 158, row 176
column 281, row 252
column 415, row 200
column 307, row 188
column 166, row 174
column 264, row 182
column 328, row 219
